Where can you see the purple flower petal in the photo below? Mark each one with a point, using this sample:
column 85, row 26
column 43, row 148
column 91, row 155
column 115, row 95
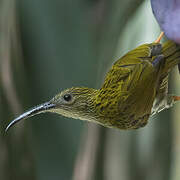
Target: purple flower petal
column 167, row 13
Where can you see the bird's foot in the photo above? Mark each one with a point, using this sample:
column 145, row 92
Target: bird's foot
column 176, row 98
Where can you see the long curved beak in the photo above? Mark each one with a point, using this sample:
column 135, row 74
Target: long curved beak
column 35, row 110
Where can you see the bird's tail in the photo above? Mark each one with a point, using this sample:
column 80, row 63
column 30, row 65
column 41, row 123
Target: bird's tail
column 171, row 52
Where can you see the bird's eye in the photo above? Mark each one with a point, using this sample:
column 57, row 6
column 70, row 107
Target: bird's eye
column 67, row 97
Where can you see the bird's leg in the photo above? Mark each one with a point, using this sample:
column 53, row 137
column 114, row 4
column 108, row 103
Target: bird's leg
column 156, row 50
column 159, row 38
column 156, row 47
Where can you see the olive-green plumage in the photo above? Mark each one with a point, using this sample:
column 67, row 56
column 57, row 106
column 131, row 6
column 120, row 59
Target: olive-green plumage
column 135, row 88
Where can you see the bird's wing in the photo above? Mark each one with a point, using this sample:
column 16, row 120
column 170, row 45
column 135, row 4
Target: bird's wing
column 133, row 78
column 133, row 65
column 143, row 52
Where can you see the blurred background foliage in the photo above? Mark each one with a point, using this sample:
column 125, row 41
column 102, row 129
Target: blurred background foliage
column 47, row 46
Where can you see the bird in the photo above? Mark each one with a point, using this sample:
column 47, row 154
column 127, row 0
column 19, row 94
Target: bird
column 135, row 88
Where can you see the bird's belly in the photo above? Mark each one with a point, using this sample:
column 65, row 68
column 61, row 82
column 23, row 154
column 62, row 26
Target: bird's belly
column 125, row 122
column 132, row 122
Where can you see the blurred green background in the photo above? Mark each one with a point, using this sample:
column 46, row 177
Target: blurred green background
column 47, row 46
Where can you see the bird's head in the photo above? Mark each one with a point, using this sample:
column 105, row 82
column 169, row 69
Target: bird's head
column 77, row 103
